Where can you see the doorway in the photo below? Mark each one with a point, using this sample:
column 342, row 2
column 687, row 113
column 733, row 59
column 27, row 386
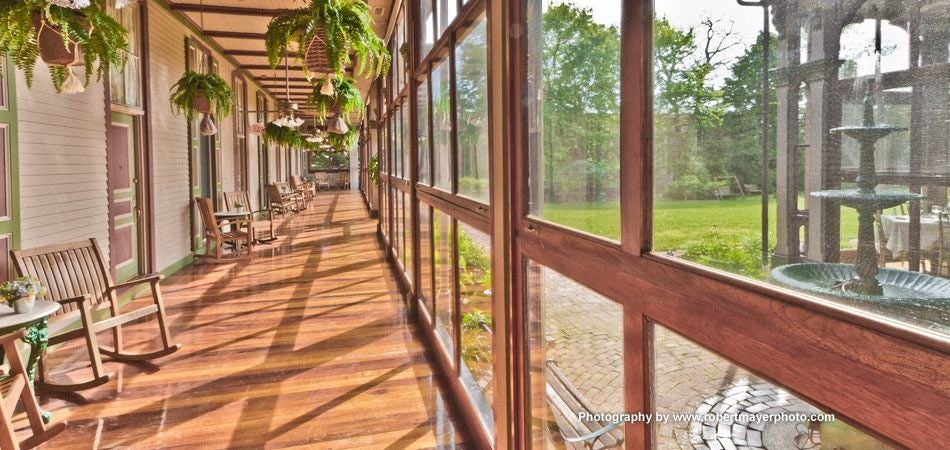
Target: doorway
column 125, row 212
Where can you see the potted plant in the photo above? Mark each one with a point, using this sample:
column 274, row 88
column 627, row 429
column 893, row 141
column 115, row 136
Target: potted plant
column 286, row 136
column 345, row 100
column 62, row 37
column 202, row 93
column 21, row 293
column 373, row 167
column 239, row 206
column 324, row 34
column 342, row 141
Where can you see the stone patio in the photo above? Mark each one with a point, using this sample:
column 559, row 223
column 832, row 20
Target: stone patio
column 584, row 337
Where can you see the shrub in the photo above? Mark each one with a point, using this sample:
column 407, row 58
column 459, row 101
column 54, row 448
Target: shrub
column 476, row 320
column 688, row 187
column 742, row 257
column 473, row 186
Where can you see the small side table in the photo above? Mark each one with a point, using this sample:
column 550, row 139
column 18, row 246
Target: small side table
column 235, row 218
column 37, row 333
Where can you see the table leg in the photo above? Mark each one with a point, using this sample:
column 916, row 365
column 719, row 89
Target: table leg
column 37, row 337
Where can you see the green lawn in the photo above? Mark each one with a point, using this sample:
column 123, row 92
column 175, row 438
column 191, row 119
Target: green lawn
column 677, row 224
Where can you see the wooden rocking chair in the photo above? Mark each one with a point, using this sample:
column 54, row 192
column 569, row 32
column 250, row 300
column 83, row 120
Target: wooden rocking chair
column 299, row 201
column 237, row 232
column 302, row 187
column 76, row 276
column 280, row 203
column 262, row 222
column 14, row 388
column 322, row 179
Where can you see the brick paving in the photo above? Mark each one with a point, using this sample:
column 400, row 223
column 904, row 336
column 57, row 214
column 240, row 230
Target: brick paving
column 583, row 332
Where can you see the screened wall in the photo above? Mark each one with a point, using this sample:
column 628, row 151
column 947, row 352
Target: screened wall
column 692, row 213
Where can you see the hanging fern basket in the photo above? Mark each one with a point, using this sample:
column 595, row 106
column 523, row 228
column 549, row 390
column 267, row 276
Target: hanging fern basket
column 202, row 104
column 318, row 58
column 54, row 50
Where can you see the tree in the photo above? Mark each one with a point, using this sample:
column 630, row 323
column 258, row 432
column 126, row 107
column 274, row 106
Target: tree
column 580, row 62
column 472, row 109
column 734, row 147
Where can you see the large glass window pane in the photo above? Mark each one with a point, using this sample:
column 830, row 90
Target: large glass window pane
column 574, row 119
column 442, row 124
column 442, row 224
column 708, row 402
column 427, row 35
column 406, row 154
column 397, row 224
column 422, row 114
column 447, row 11
column 475, row 308
column 425, row 255
column 575, row 345
column 471, row 93
column 397, row 144
column 846, row 198
column 407, row 236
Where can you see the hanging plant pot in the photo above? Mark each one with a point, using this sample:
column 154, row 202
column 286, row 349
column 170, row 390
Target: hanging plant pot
column 202, row 93
column 202, row 104
column 404, row 50
column 53, row 50
column 325, row 35
column 318, row 60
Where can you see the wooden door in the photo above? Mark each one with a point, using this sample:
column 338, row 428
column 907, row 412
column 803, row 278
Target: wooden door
column 9, row 198
column 124, row 212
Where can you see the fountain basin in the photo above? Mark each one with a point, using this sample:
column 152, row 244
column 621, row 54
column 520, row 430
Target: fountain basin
column 854, row 198
column 900, row 286
column 868, row 132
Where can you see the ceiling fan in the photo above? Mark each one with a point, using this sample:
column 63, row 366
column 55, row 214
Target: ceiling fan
column 287, row 109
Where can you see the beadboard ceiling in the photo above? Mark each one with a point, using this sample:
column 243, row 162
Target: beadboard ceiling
column 238, row 27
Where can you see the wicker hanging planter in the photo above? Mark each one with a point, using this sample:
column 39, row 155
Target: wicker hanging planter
column 202, row 104
column 318, row 61
column 53, row 50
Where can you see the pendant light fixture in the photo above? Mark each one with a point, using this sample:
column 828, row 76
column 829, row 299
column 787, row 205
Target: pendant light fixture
column 338, row 126
column 288, row 117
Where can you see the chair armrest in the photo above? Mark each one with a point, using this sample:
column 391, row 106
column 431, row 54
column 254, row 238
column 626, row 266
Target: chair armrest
column 147, row 278
column 9, row 337
column 82, row 298
column 594, row 435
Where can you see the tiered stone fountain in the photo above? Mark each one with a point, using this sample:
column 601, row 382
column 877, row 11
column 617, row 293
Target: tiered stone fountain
column 864, row 280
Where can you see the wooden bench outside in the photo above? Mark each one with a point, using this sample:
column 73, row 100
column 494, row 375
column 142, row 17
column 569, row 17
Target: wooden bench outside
column 75, row 275
column 567, row 404
column 752, row 189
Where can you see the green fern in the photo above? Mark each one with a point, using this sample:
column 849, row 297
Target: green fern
column 100, row 37
column 346, row 98
column 290, row 137
column 217, row 91
column 343, row 141
column 349, row 28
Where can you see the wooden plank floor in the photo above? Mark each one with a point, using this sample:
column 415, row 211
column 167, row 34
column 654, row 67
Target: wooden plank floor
column 307, row 346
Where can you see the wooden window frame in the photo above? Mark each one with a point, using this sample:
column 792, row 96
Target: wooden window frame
column 842, row 360
column 4, row 90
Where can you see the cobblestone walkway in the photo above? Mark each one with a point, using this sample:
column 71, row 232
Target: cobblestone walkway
column 584, row 338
